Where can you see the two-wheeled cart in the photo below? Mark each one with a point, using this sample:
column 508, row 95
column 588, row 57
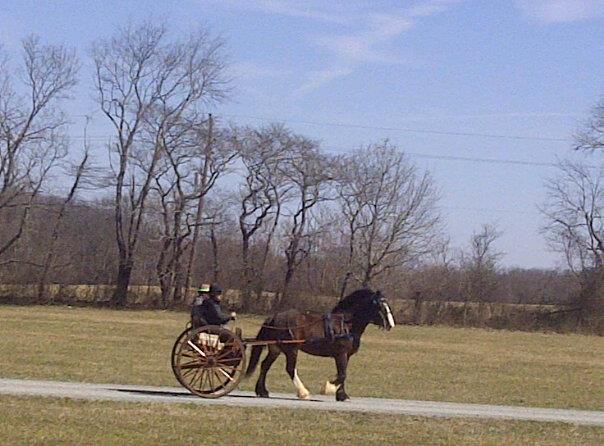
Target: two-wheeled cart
column 209, row 361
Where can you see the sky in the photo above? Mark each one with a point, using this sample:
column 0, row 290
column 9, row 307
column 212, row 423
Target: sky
column 484, row 94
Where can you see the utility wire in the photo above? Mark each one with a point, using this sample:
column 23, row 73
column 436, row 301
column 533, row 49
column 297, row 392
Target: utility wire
column 404, row 129
column 415, row 154
column 397, row 129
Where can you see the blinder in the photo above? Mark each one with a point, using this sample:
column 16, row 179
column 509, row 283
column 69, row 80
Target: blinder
column 384, row 311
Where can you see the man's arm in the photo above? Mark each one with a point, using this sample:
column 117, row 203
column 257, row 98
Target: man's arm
column 216, row 315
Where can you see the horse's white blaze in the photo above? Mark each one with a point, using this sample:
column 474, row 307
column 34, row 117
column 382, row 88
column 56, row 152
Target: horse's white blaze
column 303, row 392
column 389, row 315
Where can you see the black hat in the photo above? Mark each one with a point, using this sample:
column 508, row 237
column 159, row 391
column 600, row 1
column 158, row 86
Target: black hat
column 215, row 289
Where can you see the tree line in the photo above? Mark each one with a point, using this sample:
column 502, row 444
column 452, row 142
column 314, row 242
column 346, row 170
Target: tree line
column 185, row 197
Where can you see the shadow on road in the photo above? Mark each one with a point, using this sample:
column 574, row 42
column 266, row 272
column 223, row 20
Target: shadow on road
column 188, row 395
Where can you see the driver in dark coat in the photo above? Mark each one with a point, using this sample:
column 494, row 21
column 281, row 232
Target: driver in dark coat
column 209, row 311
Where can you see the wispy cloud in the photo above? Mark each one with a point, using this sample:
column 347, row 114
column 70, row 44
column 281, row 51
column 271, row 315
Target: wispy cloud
column 10, row 31
column 369, row 43
column 317, row 78
column 253, row 70
column 558, row 11
column 346, row 51
column 314, row 10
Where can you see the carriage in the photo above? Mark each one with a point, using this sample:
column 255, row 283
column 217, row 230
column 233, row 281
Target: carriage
column 209, row 361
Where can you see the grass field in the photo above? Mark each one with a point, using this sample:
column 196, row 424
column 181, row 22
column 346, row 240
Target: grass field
column 59, row 421
column 428, row 363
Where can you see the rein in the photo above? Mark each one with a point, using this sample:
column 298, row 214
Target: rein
column 297, row 327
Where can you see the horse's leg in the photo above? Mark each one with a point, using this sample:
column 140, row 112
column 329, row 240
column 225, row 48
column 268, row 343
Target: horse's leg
column 341, row 365
column 273, row 353
column 291, row 355
column 330, row 388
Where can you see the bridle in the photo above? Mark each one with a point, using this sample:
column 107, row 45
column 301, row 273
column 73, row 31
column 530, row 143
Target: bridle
column 384, row 311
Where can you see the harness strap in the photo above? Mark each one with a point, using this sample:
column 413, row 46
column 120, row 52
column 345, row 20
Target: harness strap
column 328, row 326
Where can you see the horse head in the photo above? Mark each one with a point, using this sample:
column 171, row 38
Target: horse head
column 382, row 314
column 370, row 305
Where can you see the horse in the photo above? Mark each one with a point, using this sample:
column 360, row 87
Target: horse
column 336, row 334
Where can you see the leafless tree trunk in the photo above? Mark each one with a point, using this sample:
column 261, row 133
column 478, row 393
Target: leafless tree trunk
column 147, row 85
column 309, row 172
column 217, row 152
column 574, row 212
column 262, row 192
column 389, row 209
column 51, row 250
column 32, row 138
column 591, row 136
column 479, row 268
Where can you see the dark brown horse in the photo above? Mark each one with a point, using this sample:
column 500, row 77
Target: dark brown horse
column 336, row 334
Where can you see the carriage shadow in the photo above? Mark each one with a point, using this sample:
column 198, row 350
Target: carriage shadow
column 187, row 395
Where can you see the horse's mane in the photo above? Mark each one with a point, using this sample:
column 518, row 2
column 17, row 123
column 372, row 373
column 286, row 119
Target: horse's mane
column 346, row 303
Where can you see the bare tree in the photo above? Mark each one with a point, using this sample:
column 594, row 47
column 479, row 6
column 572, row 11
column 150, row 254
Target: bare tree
column 390, row 211
column 479, row 267
column 263, row 191
column 574, row 212
column 309, row 173
column 217, row 215
column 32, row 139
column 591, row 135
column 188, row 170
column 214, row 154
column 147, row 84
column 79, row 173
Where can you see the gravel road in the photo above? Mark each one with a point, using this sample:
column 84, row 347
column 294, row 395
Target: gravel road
column 144, row 394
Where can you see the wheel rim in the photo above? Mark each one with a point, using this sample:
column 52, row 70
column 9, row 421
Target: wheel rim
column 209, row 361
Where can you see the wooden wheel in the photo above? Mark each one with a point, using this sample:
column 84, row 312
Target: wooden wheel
column 209, row 361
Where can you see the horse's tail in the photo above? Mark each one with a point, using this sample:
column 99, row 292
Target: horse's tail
column 263, row 334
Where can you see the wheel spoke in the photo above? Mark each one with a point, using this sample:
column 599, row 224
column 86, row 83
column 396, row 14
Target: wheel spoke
column 218, row 377
column 226, row 374
column 196, row 348
column 187, row 373
column 202, row 378
column 194, row 378
column 210, row 379
column 190, row 365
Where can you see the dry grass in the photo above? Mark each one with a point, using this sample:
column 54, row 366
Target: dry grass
column 427, row 363
column 60, row 421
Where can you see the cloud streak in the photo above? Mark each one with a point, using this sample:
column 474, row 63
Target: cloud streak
column 560, row 11
column 369, row 44
column 346, row 51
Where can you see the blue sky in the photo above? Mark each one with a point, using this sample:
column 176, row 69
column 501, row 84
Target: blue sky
column 390, row 69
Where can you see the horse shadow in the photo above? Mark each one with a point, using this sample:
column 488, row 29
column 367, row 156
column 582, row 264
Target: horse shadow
column 187, row 395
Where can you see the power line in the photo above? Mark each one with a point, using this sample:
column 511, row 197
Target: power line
column 415, row 154
column 488, row 210
column 475, row 159
column 399, row 129
column 484, row 160
column 404, row 129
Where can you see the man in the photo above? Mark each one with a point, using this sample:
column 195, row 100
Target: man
column 209, row 311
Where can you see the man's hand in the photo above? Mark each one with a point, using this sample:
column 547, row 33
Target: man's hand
column 233, row 315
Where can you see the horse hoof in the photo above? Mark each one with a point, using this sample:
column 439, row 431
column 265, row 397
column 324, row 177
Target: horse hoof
column 340, row 397
column 305, row 395
column 329, row 389
column 262, row 395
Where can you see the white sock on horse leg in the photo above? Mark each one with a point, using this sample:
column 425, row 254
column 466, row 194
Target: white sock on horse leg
column 303, row 392
column 329, row 388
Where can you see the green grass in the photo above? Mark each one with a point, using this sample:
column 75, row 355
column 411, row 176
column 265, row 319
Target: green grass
column 47, row 421
column 427, row 363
